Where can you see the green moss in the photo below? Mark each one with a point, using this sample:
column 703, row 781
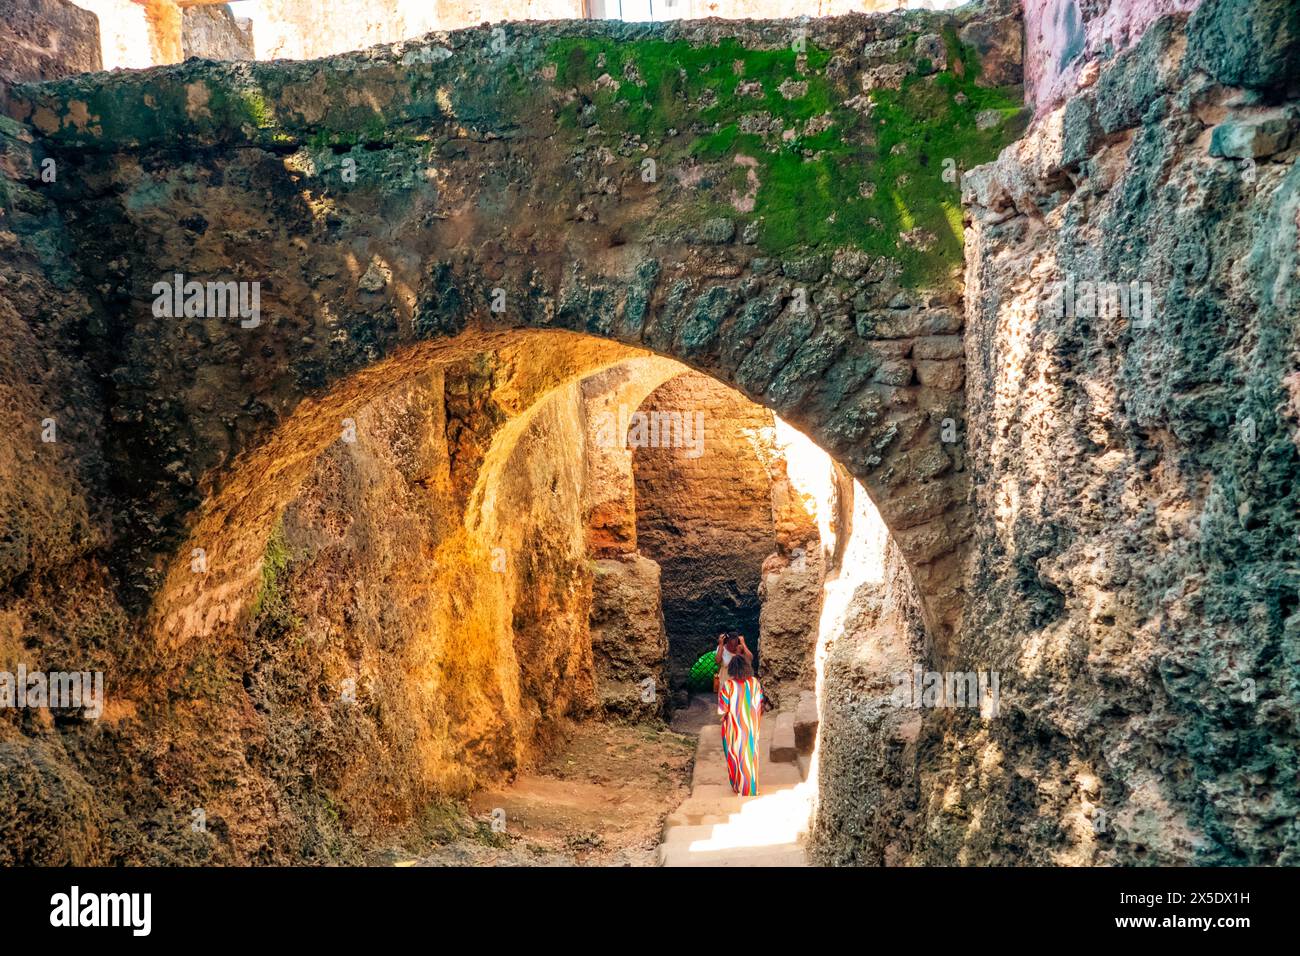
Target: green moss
column 239, row 106
column 255, row 107
column 669, row 81
column 688, row 103
column 273, row 611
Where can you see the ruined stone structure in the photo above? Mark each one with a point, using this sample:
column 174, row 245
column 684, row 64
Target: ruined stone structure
column 704, row 513
column 635, row 254
column 1134, row 487
column 489, row 235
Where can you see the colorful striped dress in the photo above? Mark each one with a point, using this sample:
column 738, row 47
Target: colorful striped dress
column 742, row 702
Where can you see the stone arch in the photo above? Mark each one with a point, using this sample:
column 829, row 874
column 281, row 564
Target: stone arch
column 242, row 499
column 406, row 200
column 233, row 520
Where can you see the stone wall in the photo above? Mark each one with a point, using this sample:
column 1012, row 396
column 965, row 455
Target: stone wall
column 1138, row 492
column 1134, row 484
column 608, row 400
column 392, row 656
column 304, row 29
column 143, row 33
column 704, row 513
column 213, row 32
column 867, row 757
column 58, row 610
column 790, row 595
column 811, row 504
column 1133, row 517
column 46, row 39
column 1067, row 42
column 629, row 645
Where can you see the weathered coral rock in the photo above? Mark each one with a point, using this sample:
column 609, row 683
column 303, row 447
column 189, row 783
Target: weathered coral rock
column 791, row 592
column 628, row 642
column 1136, row 493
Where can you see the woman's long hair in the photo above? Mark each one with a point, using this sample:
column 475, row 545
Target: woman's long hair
column 739, row 669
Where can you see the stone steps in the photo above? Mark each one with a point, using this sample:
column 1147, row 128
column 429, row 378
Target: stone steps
column 790, row 855
column 805, row 723
column 782, row 748
column 716, row 827
column 805, row 765
column 714, row 810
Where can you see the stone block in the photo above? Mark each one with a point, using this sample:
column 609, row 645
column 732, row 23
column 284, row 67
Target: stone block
column 946, row 376
column 1251, row 140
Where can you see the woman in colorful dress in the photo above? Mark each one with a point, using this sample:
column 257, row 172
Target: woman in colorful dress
column 741, row 698
column 729, row 645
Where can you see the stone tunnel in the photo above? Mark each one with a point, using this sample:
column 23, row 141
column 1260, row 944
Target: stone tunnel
column 216, row 272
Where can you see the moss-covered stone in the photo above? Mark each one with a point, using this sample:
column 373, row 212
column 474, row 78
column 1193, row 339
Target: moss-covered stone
column 832, row 166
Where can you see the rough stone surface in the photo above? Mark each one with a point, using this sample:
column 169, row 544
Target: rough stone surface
column 628, row 641
column 1135, row 489
column 49, row 815
column 46, row 39
column 791, row 594
column 1252, row 140
column 867, row 753
column 1066, row 41
column 213, row 32
column 1135, row 574
column 704, row 513
column 610, row 398
column 136, row 34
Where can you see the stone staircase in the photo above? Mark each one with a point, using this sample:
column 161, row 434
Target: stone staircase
column 715, row 827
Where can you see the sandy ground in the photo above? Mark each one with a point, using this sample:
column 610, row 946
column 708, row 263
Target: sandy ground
column 600, row 801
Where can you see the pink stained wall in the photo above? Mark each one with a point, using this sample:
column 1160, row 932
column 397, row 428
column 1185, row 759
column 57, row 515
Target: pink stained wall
column 1062, row 37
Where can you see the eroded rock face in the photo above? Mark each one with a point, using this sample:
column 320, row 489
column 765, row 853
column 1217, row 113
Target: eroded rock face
column 610, row 398
column 1135, row 481
column 213, row 32
column 51, row 815
column 628, row 642
column 397, row 651
column 1140, row 510
column 791, row 595
column 46, row 39
column 869, row 789
column 1068, row 41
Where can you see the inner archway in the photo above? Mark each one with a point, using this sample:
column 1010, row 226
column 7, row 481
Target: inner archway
column 446, row 563
column 704, row 511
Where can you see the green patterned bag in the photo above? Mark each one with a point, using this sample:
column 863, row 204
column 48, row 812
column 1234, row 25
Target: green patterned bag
column 702, row 672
